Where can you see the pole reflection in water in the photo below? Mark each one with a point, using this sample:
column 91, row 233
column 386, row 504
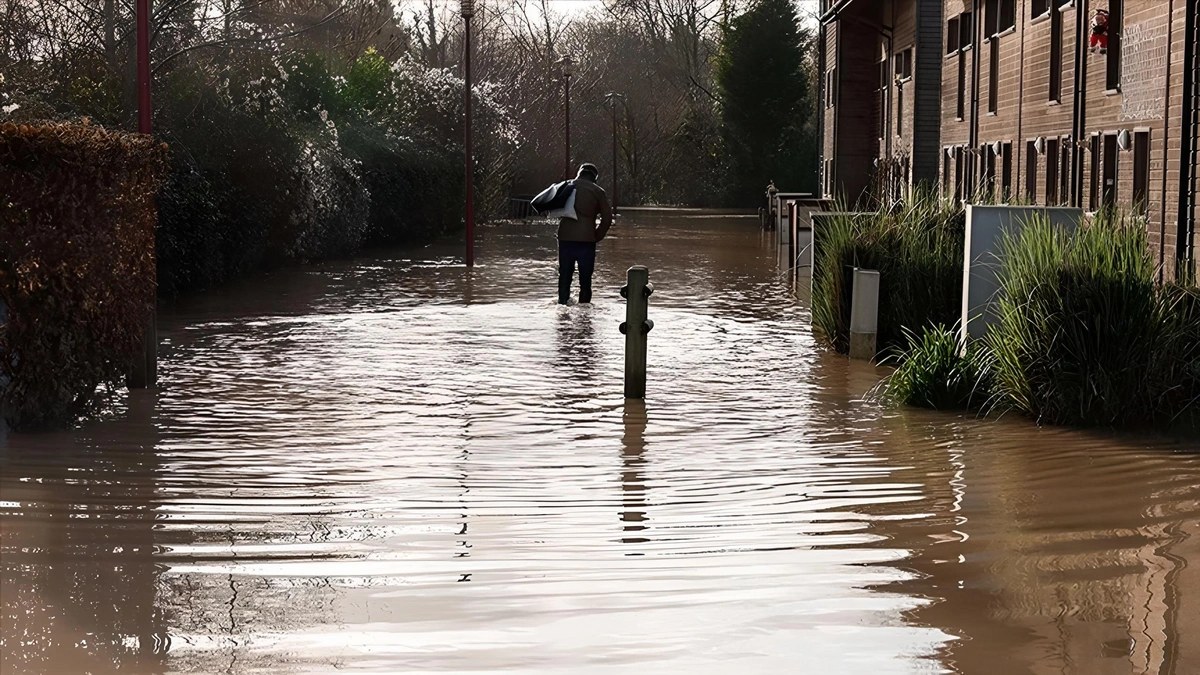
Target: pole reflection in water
column 633, row 461
column 388, row 465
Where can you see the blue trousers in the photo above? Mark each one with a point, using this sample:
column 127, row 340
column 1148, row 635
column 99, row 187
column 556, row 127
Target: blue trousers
column 571, row 253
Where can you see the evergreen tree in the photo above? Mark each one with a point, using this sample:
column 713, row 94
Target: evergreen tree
column 764, row 80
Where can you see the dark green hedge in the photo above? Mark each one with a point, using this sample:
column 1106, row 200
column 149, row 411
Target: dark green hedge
column 77, row 263
column 246, row 193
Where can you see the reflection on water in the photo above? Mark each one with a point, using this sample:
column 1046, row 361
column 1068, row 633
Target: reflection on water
column 633, row 486
column 393, row 465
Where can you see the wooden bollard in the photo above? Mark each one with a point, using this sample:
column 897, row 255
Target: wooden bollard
column 637, row 292
column 864, row 314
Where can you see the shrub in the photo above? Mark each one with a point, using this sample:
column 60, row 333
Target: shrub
column 416, row 189
column 1084, row 336
column 918, row 251
column 76, row 263
column 1181, row 353
column 936, row 370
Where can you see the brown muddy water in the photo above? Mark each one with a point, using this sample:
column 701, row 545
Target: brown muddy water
column 393, row 466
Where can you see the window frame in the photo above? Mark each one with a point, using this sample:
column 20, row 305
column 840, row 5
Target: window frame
column 1031, row 171
column 1112, row 60
column 1056, row 58
column 1141, row 170
column 1052, row 169
column 993, row 77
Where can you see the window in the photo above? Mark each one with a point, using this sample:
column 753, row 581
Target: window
column 994, row 76
column 1094, row 197
column 900, row 109
column 1056, row 57
column 947, row 161
column 1043, row 7
column 962, row 86
column 1112, row 78
column 988, row 157
column 904, row 62
column 966, row 27
column 953, row 35
column 830, row 87
column 959, row 168
column 1000, row 15
column 1008, row 15
column 1108, row 186
column 1031, row 168
column 1064, row 171
column 1141, row 172
column 1006, row 162
column 1051, row 172
column 883, row 96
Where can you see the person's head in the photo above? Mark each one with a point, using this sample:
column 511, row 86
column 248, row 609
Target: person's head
column 588, row 171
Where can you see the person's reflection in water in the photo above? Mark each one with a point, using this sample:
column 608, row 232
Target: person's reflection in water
column 633, row 485
column 577, row 343
column 78, row 575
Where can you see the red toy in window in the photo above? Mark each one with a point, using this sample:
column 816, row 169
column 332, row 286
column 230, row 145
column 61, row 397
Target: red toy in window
column 1099, row 40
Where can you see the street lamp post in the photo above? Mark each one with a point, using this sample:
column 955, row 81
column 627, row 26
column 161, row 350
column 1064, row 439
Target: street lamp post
column 144, row 371
column 567, row 65
column 143, row 65
column 468, row 11
column 612, row 100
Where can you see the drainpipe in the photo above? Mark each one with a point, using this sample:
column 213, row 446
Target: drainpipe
column 1185, row 239
column 1162, row 216
column 822, row 66
column 886, row 108
column 976, row 47
column 1079, row 105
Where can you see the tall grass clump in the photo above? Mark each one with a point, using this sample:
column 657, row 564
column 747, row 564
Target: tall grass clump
column 937, row 370
column 1084, row 336
column 917, row 249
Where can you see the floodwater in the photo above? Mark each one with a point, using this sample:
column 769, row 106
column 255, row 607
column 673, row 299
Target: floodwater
column 390, row 465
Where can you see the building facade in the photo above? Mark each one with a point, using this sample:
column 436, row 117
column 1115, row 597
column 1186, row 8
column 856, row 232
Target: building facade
column 1013, row 101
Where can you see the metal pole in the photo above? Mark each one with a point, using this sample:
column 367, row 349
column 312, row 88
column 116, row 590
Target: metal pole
column 143, row 65
column 614, row 153
column 469, row 154
column 567, row 115
column 637, row 292
column 144, row 372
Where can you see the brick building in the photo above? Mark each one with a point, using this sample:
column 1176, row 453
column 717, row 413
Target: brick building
column 1007, row 98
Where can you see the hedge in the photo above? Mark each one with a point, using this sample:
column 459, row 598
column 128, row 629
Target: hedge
column 77, row 268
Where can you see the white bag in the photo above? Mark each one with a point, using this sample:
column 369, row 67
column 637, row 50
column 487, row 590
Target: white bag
column 567, row 211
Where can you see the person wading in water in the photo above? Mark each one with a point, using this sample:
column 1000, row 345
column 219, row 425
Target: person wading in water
column 577, row 237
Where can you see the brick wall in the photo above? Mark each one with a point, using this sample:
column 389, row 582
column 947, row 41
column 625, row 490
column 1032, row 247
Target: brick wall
column 1026, row 108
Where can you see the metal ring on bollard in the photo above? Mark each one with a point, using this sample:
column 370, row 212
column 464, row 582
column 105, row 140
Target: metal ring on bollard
column 624, row 328
column 648, row 290
column 647, row 326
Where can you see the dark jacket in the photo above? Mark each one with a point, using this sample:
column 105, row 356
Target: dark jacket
column 591, row 202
